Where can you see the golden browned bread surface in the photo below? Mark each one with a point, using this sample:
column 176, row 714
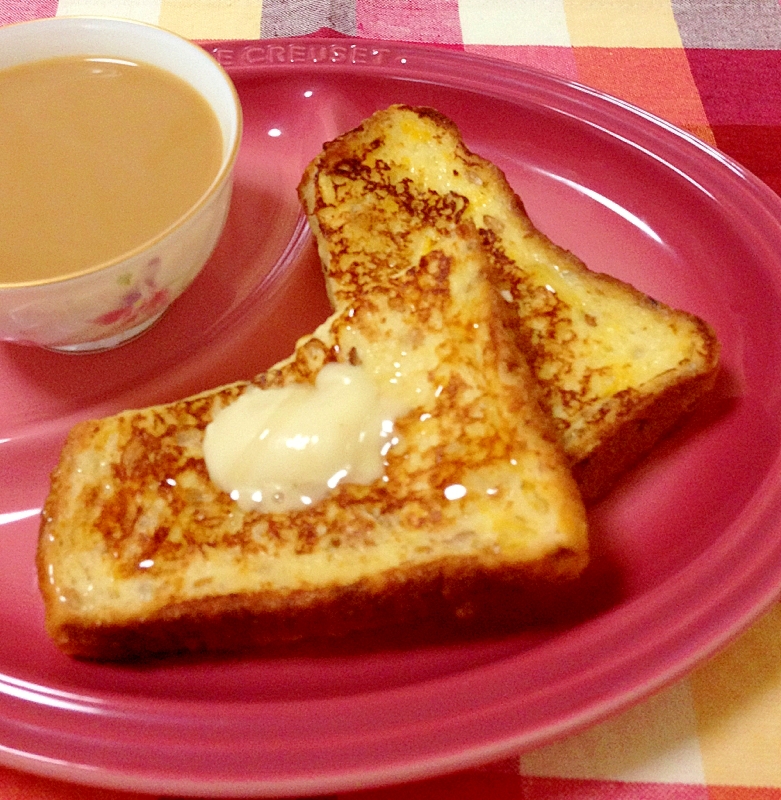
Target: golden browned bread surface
column 140, row 553
column 616, row 369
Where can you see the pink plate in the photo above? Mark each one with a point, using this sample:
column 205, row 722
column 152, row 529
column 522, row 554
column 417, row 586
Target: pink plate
column 687, row 549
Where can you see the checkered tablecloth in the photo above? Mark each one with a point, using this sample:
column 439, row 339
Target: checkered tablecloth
column 712, row 67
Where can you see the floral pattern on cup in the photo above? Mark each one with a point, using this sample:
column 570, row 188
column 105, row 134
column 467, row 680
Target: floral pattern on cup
column 143, row 300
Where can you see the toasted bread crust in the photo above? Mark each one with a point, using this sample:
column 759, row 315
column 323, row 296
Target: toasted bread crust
column 141, row 554
column 452, row 595
column 616, row 369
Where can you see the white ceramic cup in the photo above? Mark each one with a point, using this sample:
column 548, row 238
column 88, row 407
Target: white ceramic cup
column 110, row 303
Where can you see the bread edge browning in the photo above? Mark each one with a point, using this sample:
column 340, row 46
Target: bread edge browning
column 455, row 595
column 642, row 420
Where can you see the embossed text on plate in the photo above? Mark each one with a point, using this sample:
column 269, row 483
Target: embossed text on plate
column 244, row 54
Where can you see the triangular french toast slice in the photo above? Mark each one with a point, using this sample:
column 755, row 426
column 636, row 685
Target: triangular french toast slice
column 616, row 369
column 141, row 553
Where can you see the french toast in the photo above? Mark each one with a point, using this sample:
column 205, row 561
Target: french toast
column 616, row 369
column 141, row 553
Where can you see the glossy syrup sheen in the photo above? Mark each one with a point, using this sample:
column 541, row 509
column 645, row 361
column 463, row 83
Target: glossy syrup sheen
column 97, row 156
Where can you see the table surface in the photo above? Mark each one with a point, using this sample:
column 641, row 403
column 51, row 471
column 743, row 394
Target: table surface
column 712, row 67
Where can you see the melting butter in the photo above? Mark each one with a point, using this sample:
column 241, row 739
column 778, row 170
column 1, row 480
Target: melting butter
column 283, row 449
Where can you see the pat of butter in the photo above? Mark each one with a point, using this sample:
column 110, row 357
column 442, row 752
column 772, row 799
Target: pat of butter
column 282, row 449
